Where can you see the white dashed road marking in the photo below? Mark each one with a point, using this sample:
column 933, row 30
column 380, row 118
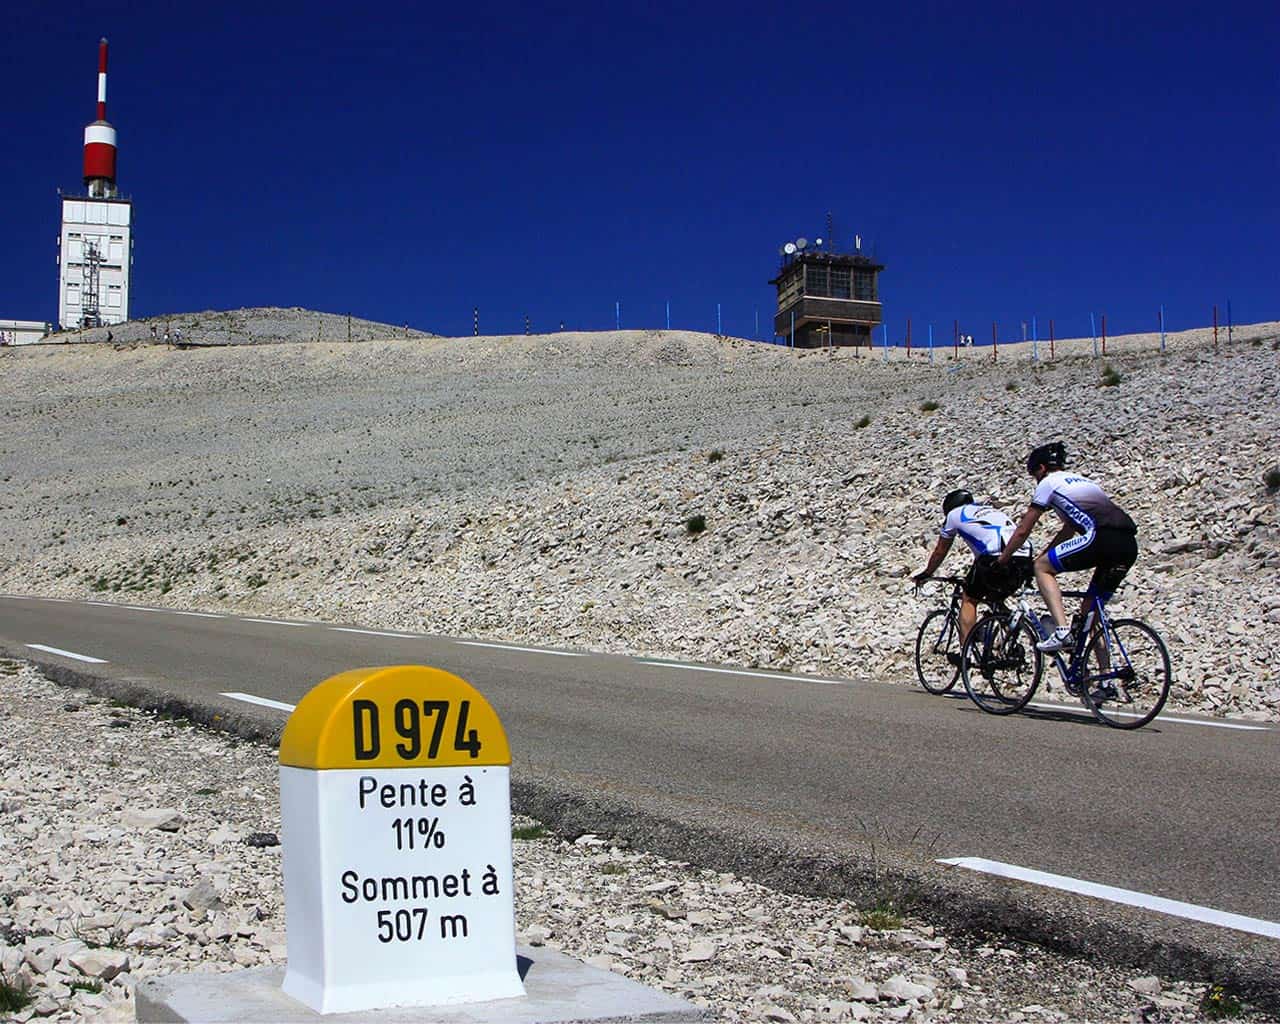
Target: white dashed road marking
column 746, row 672
column 529, row 650
column 1176, row 908
column 277, row 622
column 67, row 654
column 249, row 698
column 374, row 632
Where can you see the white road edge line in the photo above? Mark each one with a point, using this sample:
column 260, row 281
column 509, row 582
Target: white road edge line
column 746, row 672
column 530, row 650
column 67, row 654
column 1176, row 908
column 170, row 611
column 373, row 632
column 277, row 622
column 1160, row 718
column 249, row 698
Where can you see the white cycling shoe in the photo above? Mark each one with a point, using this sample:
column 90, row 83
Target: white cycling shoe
column 1058, row 640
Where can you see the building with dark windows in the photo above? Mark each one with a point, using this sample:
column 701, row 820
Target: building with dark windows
column 825, row 297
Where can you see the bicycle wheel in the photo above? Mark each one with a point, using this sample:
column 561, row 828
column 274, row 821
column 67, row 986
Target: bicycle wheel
column 1000, row 665
column 939, row 637
column 1127, row 679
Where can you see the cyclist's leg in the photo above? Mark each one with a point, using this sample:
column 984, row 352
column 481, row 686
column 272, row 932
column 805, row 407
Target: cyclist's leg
column 1047, row 584
column 973, row 593
column 1072, row 554
column 1117, row 551
column 968, row 615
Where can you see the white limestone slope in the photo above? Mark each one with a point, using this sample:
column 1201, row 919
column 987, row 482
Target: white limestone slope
column 538, row 489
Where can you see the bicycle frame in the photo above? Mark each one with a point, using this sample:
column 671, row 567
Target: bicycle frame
column 957, row 593
column 1070, row 668
column 937, row 636
column 957, row 597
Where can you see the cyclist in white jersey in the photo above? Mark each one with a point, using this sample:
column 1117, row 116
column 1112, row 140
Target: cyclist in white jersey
column 1096, row 533
column 985, row 530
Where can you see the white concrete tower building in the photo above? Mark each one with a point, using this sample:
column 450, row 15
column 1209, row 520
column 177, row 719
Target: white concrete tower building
column 95, row 246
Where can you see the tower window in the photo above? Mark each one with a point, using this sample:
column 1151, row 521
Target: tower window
column 815, row 282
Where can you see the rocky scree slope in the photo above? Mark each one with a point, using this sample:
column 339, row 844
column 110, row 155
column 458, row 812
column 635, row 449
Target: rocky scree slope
column 650, row 492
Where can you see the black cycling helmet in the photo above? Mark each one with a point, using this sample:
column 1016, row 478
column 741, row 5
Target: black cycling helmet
column 1052, row 456
column 955, row 499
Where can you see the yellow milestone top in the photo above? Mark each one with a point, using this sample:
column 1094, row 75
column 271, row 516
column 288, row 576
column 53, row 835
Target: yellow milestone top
column 397, row 716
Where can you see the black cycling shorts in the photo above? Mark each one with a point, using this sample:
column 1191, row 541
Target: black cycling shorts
column 988, row 580
column 1110, row 553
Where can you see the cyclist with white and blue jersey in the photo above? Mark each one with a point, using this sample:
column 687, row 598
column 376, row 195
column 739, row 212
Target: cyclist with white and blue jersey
column 985, row 529
column 1096, row 533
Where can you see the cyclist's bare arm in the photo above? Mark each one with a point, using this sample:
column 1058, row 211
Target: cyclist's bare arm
column 936, row 556
column 1025, row 525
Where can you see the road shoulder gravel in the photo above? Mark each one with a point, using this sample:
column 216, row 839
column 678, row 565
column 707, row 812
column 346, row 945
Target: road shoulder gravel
column 135, row 843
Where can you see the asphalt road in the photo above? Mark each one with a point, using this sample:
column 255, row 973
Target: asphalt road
column 1184, row 810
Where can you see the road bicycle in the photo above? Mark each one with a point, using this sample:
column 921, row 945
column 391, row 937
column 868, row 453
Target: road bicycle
column 938, row 641
column 1118, row 668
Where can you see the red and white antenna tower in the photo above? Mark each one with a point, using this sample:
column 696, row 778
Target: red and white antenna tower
column 95, row 241
column 100, row 141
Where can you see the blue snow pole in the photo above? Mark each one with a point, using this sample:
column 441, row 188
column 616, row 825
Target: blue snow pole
column 617, row 315
column 885, row 346
column 1093, row 330
column 719, row 331
column 668, row 314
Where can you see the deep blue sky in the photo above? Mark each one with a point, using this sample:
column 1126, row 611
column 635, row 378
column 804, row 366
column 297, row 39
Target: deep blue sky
column 407, row 162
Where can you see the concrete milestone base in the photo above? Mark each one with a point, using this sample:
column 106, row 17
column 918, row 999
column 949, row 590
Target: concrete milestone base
column 558, row 989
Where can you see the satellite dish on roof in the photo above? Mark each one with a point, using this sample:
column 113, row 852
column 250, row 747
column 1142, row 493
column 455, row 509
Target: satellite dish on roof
column 801, row 243
column 789, row 248
column 818, row 242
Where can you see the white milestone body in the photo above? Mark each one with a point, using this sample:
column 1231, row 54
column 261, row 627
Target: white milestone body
column 398, row 886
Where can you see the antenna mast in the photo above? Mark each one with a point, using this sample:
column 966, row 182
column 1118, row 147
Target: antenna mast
column 91, row 315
